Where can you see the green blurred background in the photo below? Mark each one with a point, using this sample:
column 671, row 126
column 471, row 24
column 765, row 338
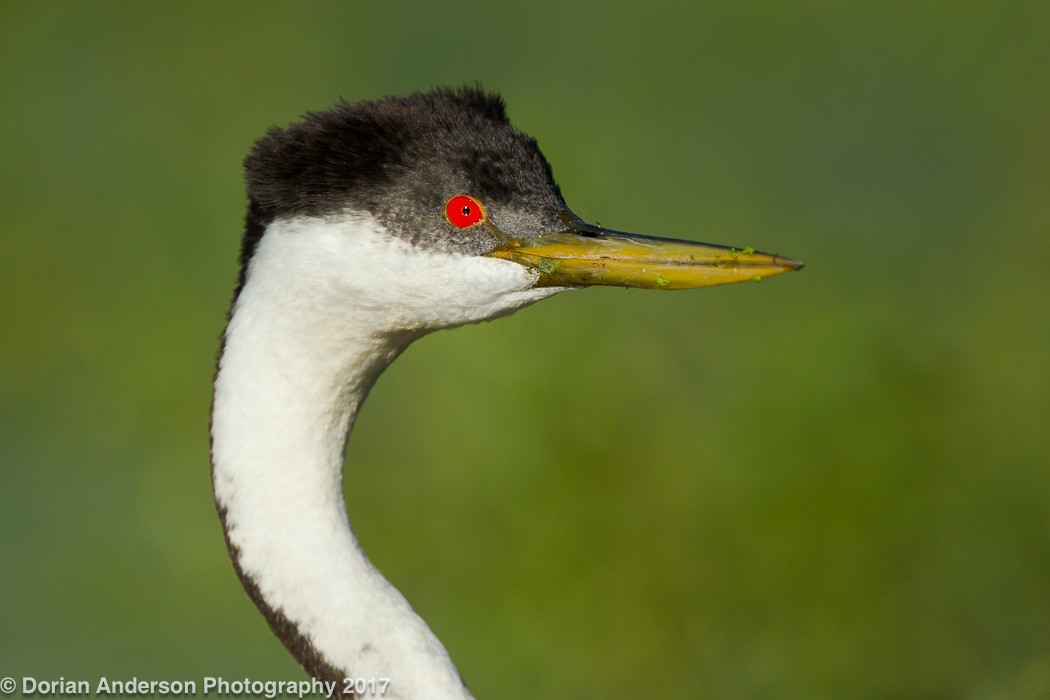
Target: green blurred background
column 832, row 484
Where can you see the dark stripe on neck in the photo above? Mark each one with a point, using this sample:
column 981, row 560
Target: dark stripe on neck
column 304, row 651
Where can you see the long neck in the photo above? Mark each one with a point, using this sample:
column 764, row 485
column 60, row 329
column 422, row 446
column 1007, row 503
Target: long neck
column 286, row 394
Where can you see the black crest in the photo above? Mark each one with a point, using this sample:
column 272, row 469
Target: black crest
column 400, row 159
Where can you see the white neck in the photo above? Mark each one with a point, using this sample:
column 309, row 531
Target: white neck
column 315, row 324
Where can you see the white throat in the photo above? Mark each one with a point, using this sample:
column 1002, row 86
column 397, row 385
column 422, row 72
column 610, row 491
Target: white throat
column 326, row 306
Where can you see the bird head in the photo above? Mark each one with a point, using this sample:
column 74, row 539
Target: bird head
column 469, row 204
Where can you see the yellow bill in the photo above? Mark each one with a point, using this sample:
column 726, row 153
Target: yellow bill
column 594, row 256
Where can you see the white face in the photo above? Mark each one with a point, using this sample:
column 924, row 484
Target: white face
column 331, row 265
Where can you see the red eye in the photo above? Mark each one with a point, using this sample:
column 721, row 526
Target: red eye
column 463, row 211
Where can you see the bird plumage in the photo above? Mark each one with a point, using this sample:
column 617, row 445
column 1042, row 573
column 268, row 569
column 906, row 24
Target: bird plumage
column 350, row 253
column 399, row 158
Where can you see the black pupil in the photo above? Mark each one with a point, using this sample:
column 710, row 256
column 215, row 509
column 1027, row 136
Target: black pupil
column 466, row 210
